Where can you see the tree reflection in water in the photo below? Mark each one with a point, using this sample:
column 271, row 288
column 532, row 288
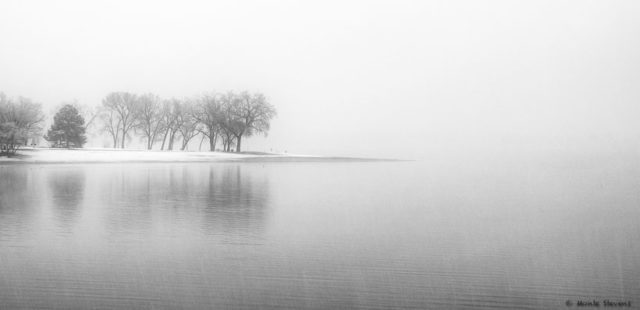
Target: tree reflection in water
column 19, row 197
column 235, row 202
column 218, row 199
column 66, row 187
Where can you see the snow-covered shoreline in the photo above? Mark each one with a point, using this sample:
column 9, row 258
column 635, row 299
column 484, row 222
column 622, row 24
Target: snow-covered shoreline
column 98, row 155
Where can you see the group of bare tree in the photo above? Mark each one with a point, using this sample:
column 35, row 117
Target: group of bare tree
column 216, row 117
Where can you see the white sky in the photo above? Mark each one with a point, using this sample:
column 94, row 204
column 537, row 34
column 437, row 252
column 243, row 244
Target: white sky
column 398, row 79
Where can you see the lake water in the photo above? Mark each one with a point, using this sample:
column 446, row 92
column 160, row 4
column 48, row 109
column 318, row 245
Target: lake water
column 516, row 234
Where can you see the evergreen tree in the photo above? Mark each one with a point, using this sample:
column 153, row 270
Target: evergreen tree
column 67, row 129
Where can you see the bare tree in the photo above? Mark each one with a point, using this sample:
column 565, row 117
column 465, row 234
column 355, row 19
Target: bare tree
column 90, row 114
column 228, row 123
column 250, row 114
column 227, row 139
column 123, row 103
column 226, row 134
column 149, row 117
column 207, row 110
column 111, row 124
column 201, row 139
column 188, row 125
column 166, row 119
column 171, row 110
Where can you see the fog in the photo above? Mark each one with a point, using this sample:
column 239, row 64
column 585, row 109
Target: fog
column 396, row 79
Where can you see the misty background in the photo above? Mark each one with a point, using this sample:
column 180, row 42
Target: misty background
column 395, row 79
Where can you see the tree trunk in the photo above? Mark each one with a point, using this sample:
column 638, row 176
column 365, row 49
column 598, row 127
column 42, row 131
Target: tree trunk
column 124, row 134
column 201, row 140
column 172, row 135
column 212, row 142
column 238, row 143
column 164, row 139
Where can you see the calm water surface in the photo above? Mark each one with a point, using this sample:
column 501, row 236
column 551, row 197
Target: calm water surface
column 450, row 234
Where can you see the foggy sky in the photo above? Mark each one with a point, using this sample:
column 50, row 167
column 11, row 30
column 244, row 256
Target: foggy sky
column 400, row 79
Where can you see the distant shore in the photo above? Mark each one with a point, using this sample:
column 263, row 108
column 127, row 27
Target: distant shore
column 99, row 155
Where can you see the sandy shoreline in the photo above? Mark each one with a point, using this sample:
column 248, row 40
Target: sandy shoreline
column 96, row 155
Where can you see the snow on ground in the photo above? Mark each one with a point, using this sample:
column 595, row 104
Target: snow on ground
column 88, row 155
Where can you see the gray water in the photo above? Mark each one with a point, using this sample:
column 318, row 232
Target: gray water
column 520, row 233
